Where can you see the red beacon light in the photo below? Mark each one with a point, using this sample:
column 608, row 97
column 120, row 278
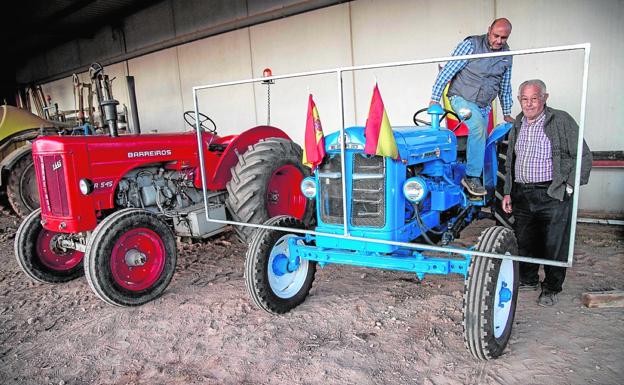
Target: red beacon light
column 267, row 73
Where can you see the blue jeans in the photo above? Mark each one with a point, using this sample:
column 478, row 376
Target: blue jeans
column 477, row 134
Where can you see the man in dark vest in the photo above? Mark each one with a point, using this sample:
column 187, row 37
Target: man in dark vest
column 474, row 85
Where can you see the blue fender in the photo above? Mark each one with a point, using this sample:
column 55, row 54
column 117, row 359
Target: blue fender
column 490, row 165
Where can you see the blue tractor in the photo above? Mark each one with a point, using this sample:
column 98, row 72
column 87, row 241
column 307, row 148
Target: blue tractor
column 416, row 199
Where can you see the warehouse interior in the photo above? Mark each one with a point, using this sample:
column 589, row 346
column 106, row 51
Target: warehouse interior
column 169, row 47
column 279, row 251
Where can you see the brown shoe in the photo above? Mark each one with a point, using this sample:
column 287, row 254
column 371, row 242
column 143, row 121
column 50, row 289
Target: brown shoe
column 474, row 186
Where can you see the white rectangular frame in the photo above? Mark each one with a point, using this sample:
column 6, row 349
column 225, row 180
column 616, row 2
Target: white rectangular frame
column 586, row 47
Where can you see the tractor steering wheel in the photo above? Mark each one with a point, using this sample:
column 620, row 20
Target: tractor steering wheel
column 189, row 118
column 446, row 112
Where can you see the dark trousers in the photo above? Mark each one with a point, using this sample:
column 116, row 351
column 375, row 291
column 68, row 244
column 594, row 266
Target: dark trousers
column 542, row 226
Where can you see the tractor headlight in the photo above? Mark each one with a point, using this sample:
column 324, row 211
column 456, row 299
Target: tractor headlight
column 415, row 189
column 86, row 186
column 308, row 187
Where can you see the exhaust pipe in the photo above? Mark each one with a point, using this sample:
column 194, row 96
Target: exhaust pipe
column 104, row 92
column 135, row 126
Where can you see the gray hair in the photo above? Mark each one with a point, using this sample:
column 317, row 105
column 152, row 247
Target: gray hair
column 533, row 82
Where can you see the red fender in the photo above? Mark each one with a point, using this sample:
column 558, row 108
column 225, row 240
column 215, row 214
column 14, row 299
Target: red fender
column 229, row 158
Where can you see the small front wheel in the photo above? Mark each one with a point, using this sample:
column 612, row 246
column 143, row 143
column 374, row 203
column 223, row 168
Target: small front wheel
column 130, row 258
column 276, row 283
column 490, row 295
column 40, row 255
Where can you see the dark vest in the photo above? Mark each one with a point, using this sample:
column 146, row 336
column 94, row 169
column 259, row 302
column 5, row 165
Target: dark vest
column 479, row 81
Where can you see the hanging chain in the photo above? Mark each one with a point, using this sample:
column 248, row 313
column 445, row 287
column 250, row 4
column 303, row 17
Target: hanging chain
column 268, row 104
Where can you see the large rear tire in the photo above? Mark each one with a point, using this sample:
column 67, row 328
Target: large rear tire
column 130, row 258
column 266, row 183
column 39, row 256
column 501, row 217
column 490, row 295
column 275, row 285
column 22, row 190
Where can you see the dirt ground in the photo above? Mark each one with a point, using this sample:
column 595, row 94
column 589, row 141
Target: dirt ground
column 359, row 326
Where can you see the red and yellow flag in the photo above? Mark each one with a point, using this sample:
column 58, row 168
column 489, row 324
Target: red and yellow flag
column 314, row 146
column 379, row 137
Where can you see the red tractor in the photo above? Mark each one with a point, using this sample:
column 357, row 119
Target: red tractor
column 112, row 206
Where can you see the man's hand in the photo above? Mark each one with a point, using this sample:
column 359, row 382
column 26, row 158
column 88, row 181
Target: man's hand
column 508, row 119
column 506, row 204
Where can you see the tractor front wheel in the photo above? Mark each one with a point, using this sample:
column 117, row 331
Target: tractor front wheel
column 22, row 188
column 266, row 183
column 275, row 283
column 40, row 256
column 130, row 258
column 490, row 295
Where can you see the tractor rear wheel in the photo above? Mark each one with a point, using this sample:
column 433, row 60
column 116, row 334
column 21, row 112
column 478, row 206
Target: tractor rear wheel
column 266, row 183
column 490, row 295
column 22, row 188
column 275, row 284
column 130, row 258
column 39, row 255
column 501, row 217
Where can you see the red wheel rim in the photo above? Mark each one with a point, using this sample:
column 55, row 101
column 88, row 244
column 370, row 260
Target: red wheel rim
column 129, row 273
column 54, row 258
column 284, row 195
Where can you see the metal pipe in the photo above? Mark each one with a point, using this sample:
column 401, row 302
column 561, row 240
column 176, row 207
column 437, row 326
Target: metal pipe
column 579, row 154
column 343, row 147
column 400, row 64
column 608, row 163
column 601, row 221
column 135, row 126
column 568, row 263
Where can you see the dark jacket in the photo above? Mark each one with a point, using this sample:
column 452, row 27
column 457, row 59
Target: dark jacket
column 563, row 132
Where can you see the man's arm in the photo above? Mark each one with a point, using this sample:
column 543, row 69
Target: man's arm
column 450, row 70
column 505, row 95
column 571, row 133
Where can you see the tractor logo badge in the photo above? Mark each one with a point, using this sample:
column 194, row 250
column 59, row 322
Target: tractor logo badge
column 56, row 165
column 143, row 154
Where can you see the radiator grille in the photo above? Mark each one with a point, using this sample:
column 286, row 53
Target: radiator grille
column 330, row 182
column 367, row 194
column 54, row 194
column 368, row 207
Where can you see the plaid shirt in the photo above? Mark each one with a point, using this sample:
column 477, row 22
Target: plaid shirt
column 453, row 67
column 533, row 152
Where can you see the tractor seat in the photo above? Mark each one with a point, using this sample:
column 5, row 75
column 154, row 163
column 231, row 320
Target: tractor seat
column 217, row 147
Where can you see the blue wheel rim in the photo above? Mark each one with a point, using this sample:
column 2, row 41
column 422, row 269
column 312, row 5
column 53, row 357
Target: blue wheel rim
column 285, row 284
column 503, row 299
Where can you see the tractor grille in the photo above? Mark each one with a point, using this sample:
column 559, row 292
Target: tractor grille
column 368, row 187
column 54, row 194
column 368, row 208
column 330, row 182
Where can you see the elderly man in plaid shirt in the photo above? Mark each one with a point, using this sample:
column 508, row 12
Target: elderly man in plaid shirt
column 540, row 166
column 474, row 85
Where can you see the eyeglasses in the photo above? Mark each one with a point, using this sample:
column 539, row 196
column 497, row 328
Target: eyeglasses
column 533, row 100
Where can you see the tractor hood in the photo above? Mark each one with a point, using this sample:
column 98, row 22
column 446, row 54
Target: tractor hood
column 412, row 141
column 14, row 120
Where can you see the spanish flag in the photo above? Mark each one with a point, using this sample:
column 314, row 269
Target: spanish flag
column 378, row 132
column 314, row 146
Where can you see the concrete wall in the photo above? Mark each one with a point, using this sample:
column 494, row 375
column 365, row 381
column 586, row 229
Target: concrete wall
column 365, row 32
